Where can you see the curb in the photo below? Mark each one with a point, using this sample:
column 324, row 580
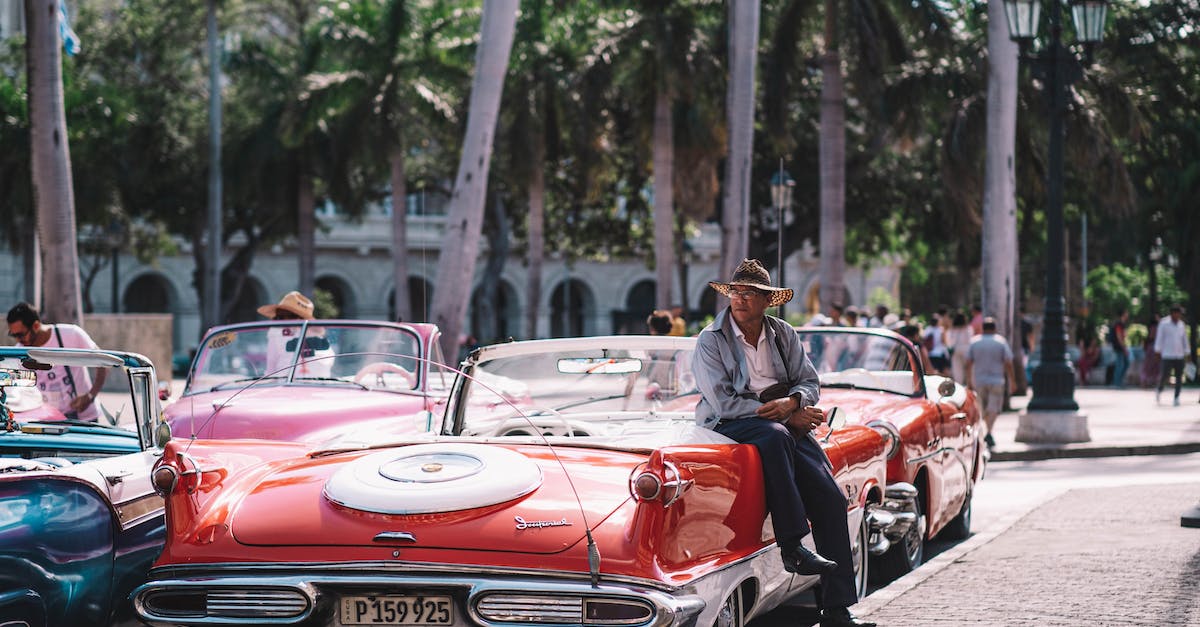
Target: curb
column 1053, row 452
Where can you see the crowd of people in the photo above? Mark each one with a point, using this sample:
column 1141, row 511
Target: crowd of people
column 944, row 343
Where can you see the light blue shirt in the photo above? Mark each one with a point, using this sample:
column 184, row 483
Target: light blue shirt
column 724, row 380
column 988, row 354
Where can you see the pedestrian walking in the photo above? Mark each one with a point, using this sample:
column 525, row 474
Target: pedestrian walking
column 989, row 365
column 1171, row 343
column 958, row 342
column 70, row 389
column 758, row 387
column 1151, row 360
column 1120, row 348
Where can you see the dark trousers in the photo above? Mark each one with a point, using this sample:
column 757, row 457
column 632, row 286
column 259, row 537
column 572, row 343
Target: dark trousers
column 801, row 492
column 1169, row 366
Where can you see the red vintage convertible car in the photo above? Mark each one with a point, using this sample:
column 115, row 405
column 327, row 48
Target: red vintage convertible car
column 932, row 424
column 303, row 380
column 567, row 484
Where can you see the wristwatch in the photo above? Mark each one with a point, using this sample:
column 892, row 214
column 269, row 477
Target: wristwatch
column 799, row 399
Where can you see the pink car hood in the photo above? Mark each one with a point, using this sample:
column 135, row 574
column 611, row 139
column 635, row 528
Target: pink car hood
column 293, row 507
column 293, row 413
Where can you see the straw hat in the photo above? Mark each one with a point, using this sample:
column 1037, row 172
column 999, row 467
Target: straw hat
column 751, row 273
column 294, row 302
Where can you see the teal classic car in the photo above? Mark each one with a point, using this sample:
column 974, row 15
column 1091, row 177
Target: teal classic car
column 80, row 523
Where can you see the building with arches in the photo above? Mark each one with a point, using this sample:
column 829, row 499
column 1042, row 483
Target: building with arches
column 354, row 266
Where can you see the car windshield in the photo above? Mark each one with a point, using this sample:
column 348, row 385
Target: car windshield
column 584, row 392
column 861, row 360
column 374, row 357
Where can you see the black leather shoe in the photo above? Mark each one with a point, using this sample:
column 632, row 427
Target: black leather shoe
column 841, row 617
column 804, row 562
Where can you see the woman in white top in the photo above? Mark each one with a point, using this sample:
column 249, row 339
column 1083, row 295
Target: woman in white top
column 958, row 340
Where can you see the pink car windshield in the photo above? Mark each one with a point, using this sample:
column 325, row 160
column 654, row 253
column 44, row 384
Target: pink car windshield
column 376, row 357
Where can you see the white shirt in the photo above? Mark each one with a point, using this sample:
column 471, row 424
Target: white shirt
column 1171, row 341
column 758, row 360
column 56, row 388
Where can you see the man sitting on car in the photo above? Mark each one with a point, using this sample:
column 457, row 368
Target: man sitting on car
column 759, row 387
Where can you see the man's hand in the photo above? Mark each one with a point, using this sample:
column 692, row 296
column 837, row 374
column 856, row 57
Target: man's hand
column 778, row 409
column 80, row 403
column 806, row 419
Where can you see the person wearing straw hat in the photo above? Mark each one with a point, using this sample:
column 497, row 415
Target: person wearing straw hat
column 759, row 387
column 294, row 306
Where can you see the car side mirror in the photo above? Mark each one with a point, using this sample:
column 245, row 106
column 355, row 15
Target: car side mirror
column 836, row 420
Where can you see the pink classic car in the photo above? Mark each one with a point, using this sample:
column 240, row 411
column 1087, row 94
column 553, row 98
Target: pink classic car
column 567, row 484
column 304, row 380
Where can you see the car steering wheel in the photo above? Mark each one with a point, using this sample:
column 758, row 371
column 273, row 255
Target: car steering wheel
column 379, row 369
column 527, row 419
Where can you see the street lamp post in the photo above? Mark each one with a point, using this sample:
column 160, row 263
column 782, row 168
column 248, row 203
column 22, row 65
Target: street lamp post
column 782, row 186
column 1052, row 414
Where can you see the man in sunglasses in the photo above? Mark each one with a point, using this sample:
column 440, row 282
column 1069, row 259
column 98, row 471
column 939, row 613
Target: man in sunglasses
column 70, row 389
column 759, row 387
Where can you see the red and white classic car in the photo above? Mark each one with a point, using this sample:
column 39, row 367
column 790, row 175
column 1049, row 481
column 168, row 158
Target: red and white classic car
column 567, row 484
column 303, row 380
column 932, row 424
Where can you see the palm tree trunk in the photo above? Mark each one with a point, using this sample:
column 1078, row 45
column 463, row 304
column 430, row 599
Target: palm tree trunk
column 999, row 250
column 400, row 233
column 306, row 233
column 664, row 200
column 464, row 217
column 31, row 262
column 537, row 241
column 832, row 265
column 50, row 160
column 487, row 315
column 740, row 100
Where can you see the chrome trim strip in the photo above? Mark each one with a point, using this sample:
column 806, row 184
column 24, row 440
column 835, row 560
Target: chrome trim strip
column 253, row 569
column 933, row 453
column 135, row 511
column 669, row 610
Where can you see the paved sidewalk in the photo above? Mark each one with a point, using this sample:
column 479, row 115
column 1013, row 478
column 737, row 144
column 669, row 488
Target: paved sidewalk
column 1120, row 421
column 1084, row 557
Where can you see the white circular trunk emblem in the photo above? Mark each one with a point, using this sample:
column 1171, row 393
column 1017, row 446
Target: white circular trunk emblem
column 430, row 478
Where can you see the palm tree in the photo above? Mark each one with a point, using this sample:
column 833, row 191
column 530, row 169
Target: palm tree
column 880, row 35
column 1000, row 259
column 740, row 104
column 50, row 161
column 832, row 264
column 667, row 46
column 392, row 77
column 464, row 217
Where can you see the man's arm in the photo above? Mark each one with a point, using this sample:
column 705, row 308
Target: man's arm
column 807, row 387
column 715, row 381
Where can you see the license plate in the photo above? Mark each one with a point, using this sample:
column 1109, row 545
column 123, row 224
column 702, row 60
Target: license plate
column 397, row 610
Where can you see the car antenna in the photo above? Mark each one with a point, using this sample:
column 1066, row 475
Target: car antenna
column 593, row 551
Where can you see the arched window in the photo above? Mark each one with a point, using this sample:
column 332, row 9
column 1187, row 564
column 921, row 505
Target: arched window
column 339, row 290
column 570, row 305
column 252, row 296
column 495, row 322
column 420, row 295
column 149, row 293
